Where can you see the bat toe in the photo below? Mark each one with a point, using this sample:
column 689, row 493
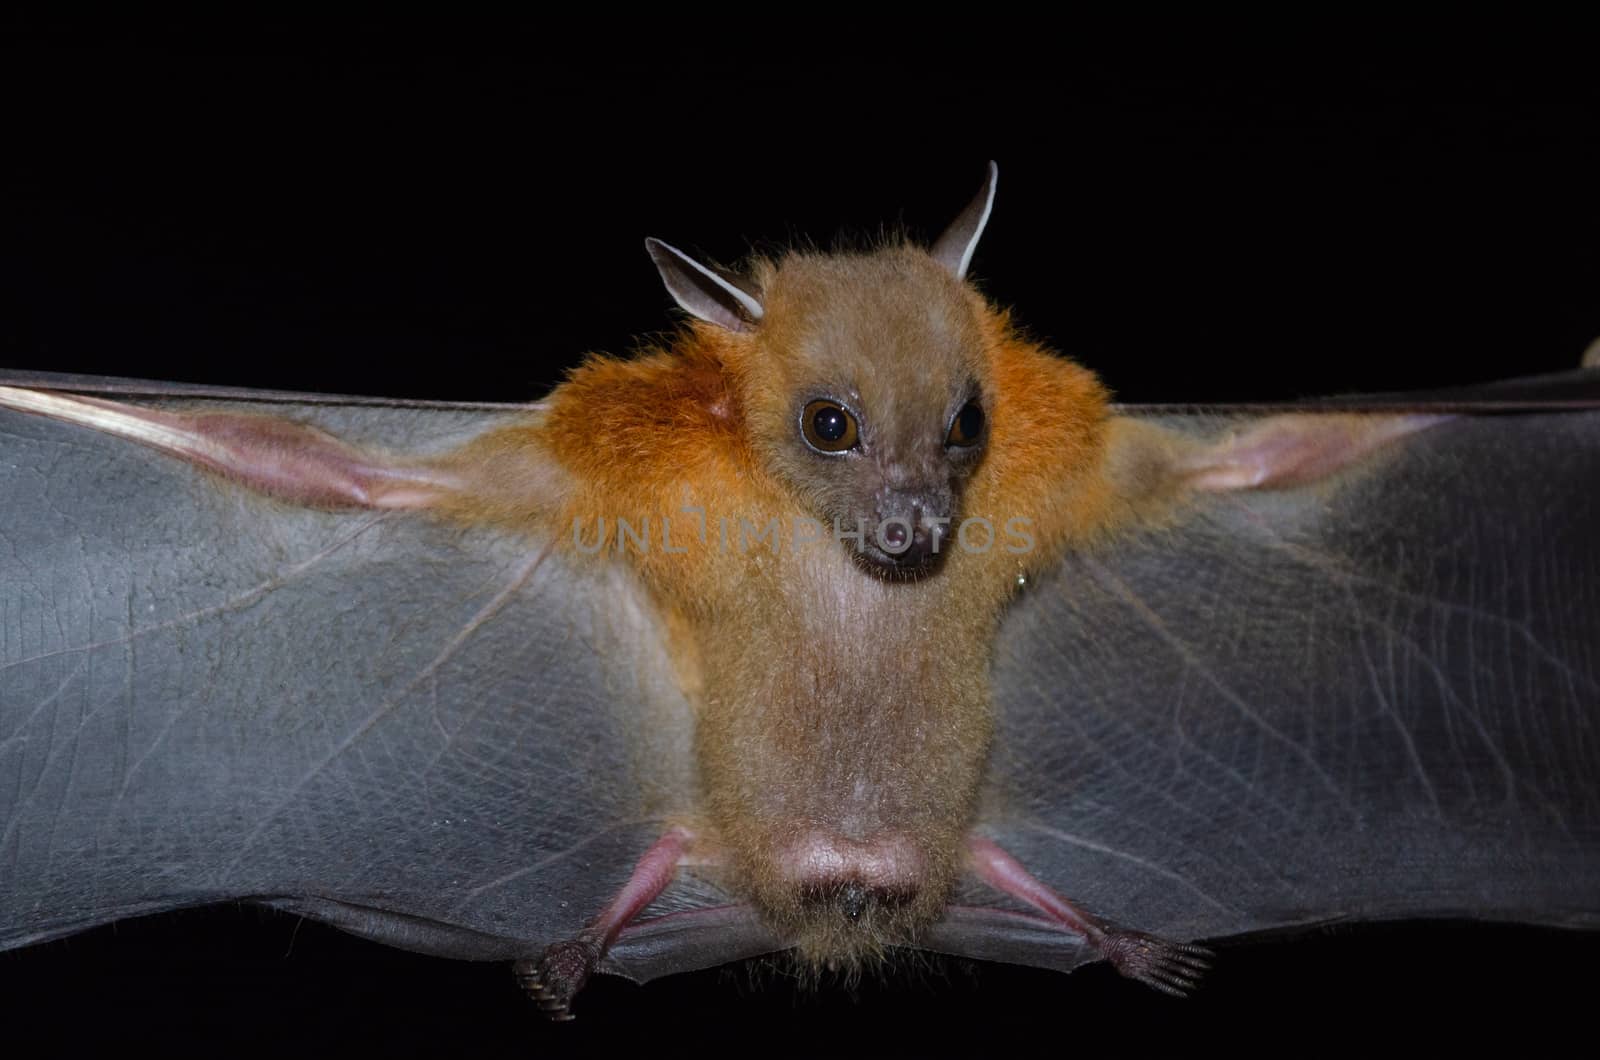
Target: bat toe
column 1174, row 968
column 553, row 980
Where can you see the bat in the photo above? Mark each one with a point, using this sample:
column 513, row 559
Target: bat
column 1210, row 674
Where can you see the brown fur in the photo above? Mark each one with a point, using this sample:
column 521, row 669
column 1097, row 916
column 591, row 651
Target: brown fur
column 829, row 698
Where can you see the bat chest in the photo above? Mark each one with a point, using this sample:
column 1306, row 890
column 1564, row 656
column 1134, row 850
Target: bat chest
column 855, row 706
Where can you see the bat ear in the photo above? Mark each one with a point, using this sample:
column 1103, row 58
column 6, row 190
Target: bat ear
column 709, row 294
column 955, row 248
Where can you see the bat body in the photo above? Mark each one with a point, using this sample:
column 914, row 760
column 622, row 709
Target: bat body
column 1208, row 675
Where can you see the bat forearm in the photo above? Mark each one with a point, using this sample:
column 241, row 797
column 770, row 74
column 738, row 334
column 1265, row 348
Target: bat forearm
column 289, row 461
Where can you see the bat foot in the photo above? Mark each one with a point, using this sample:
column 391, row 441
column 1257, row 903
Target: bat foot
column 1170, row 967
column 555, row 978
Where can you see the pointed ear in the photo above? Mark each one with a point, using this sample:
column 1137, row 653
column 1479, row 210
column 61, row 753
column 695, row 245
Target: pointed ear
column 702, row 292
column 954, row 249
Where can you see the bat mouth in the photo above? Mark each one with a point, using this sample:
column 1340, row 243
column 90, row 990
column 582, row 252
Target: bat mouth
column 904, row 567
column 897, row 555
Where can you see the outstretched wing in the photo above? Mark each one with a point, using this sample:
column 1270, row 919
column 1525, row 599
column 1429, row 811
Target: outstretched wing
column 1375, row 697
column 451, row 741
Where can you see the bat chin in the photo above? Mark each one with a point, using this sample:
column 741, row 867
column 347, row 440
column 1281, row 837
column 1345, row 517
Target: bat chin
column 909, row 566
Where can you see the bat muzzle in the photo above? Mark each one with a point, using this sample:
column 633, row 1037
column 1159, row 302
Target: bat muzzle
column 906, row 538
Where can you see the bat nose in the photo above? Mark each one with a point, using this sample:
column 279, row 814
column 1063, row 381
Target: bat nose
column 895, row 536
column 910, row 529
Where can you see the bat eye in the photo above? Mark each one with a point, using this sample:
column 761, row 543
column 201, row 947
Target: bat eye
column 828, row 427
column 967, row 427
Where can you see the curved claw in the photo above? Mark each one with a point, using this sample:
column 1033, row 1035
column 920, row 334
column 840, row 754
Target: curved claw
column 1173, row 968
column 556, row 977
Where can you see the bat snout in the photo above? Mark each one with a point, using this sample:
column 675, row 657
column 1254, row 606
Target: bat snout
column 909, row 531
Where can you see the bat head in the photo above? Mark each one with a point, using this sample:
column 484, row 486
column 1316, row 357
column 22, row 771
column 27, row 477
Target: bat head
column 865, row 381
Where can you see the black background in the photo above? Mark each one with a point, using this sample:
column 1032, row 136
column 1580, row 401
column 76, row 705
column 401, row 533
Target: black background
column 1203, row 212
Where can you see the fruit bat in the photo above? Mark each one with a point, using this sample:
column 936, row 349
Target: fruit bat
column 847, row 620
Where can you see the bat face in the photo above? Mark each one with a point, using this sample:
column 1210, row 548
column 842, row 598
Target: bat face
column 867, row 392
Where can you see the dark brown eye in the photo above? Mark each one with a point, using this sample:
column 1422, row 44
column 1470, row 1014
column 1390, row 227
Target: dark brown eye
column 828, row 427
column 967, row 427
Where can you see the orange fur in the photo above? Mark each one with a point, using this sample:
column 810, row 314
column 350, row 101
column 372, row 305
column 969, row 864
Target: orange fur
column 1047, row 447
